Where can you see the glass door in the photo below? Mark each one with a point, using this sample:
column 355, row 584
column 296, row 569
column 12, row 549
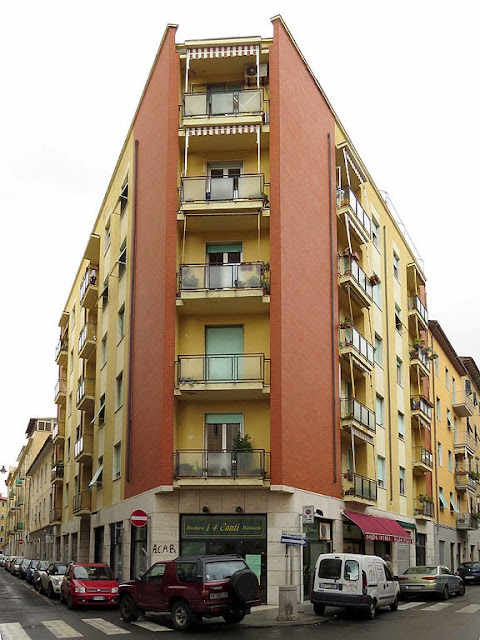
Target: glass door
column 223, row 180
column 223, row 262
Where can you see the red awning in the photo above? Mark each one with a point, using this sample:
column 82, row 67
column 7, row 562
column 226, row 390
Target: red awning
column 374, row 528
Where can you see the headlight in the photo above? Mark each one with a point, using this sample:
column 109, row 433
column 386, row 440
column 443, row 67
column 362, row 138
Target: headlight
column 80, row 590
column 56, row 581
column 114, row 589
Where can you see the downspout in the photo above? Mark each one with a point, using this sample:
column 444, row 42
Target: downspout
column 333, row 281
column 433, row 445
column 132, row 313
column 389, row 391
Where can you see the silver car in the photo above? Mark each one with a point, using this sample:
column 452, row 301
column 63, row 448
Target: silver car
column 437, row 580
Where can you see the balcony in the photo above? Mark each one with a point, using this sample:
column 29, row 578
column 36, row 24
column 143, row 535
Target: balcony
column 355, row 281
column 224, row 108
column 61, row 352
column 56, row 475
column 19, row 502
column 423, row 508
column 19, row 526
column 221, row 467
column 359, row 220
column 87, row 341
column 56, row 515
column 462, row 404
column 84, row 448
column 60, row 392
column 353, row 345
column 464, row 481
column 465, row 443
column 82, row 503
column 467, row 522
column 420, row 359
column 422, row 460
column 89, row 288
column 86, row 394
column 358, row 489
column 58, row 431
column 358, row 419
column 225, row 194
column 242, row 287
column 223, row 376
column 421, row 410
column 416, row 309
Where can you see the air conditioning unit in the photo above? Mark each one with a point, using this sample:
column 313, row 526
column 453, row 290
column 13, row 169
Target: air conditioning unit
column 324, row 531
column 251, row 71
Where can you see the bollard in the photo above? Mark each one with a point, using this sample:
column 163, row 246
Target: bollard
column 287, row 603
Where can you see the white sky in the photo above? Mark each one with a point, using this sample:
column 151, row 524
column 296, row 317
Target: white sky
column 401, row 76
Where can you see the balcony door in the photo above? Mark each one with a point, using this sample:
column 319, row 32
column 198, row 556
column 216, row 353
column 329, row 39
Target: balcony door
column 223, row 180
column 223, row 97
column 223, row 349
column 223, row 261
column 220, row 432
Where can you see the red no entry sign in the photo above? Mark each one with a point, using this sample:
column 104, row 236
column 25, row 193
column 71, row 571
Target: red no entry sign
column 139, row 518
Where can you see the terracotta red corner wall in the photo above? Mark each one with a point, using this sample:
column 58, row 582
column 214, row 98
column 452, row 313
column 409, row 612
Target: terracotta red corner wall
column 153, row 324
column 304, row 352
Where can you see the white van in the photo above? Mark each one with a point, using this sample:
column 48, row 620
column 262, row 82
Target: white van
column 353, row 580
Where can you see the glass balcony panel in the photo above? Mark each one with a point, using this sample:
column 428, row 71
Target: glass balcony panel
column 222, row 188
column 196, row 104
column 222, row 276
column 221, row 368
column 249, row 276
column 194, row 189
column 355, row 339
column 249, row 101
column 191, row 369
column 189, row 464
column 192, row 277
column 250, row 187
column 221, row 103
column 219, row 463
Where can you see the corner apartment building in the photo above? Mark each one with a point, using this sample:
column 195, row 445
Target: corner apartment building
column 245, row 336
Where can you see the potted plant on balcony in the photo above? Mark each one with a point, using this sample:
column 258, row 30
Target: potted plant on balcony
column 242, row 444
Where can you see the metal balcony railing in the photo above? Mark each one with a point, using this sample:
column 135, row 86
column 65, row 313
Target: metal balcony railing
column 84, row 445
column 352, row 409
column 243, row 367
column 463, row 480
column 60, row 387
column 418, row 353
column 347, row 265
column 89, row 278
column 422, row 456
column 86, row 386
column 415, row 304
column 82, row 501
column 223, row 103
column 223, row 188
column 62, row 345
column 244, row 275
column 467, row 521
column 87, row 332
column 462, row 403
column 55, row 514
column 57, row 472
column 424, row 507
column 420, row 403
column 346, row 197
column 198, row 463
column 359, row 486
column 465, row 438
column 350, row 337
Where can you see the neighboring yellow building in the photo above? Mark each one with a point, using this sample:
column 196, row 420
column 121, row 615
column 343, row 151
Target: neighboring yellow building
column 39, row 541
column 3, row 523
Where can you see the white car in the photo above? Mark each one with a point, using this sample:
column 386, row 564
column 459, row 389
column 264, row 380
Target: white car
column 51, row 579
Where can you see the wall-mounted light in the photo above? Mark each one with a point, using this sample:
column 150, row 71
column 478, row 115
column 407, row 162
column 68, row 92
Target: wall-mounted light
column 205, row 509
column 319, row 512
column 3, row 470
column 239, row 509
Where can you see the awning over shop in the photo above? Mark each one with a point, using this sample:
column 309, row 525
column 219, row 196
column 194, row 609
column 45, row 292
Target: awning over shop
column 375, row 528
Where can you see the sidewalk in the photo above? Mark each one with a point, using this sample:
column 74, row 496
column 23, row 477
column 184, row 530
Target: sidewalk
column 266, row 616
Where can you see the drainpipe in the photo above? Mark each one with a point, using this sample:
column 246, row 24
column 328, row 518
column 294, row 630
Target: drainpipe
column 333, row 329
column 389, row 391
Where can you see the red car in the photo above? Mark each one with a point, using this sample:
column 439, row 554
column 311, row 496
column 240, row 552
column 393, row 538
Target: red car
column 89, row 583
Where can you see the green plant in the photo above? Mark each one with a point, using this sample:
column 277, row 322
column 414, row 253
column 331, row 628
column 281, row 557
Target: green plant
column 242, row 443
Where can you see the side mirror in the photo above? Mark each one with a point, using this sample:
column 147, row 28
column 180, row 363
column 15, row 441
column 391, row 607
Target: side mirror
column 138, row 578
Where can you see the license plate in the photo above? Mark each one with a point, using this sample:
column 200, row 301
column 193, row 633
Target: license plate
column 327, row 585
column 99, row 597
column 414, row 586
column 217, row 596
column 469, row 577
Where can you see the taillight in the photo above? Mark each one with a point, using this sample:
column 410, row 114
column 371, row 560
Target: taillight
column 364, row 582
column 401, row 579
column 429, row 578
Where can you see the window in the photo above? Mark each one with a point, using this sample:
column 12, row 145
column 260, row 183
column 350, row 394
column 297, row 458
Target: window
column 68, row 449
column 439, row 409
column 70, row 404
column 443, row 502
column 107, row 236
column 398, row 318
column 119, row 391
column 402, row 481
column 376, row 233
column 121, row 323
column 124, row 196
column 449, row 419
column 71, row 362
column 117, row 460
column 99, row 473
column 122, row 259
column 396, row 266
column 103, row 351
column 440, row 454
column 104, row 295
column 399, row 371
column 468, row 387
column 447, row 379
column 352, row 570
column 101, row 411
column 401, row 426
column 450, row 461
column 377, row 294
column 381, row 471
column 378, row 349
column 379, row 410
column 437, row 367
column 349, row 460
column 67, row 491
column 73, row 317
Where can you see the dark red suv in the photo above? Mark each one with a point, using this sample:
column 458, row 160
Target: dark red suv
column 191, row 588
column 89, row 583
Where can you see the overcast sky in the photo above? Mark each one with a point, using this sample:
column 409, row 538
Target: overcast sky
column 401, row 76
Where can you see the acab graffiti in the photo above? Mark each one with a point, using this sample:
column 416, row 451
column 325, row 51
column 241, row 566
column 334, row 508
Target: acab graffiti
column 164, row 548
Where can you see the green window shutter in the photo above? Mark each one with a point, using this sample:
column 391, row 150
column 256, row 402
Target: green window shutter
column 225, row 248
column 223, row 418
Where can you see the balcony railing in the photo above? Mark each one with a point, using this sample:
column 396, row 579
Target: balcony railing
column 244, row 275
column 84, row 446
column 223, row 103
column 19, row 526
column 223, row 188
column 418, row 353
column 350, row 337
column 467, row 521
column 62, row 348
column 351, row 409
column 89, row 279
column 348, row 266
column 415, row 304
column 359, row 487
column 87, row 333
column 244, row 367
column 60, row 389
column 20, row 501
column 465, row 438
column 82, row 501
column 55, row 515
column 86, row 387
column 420, row 403
column 422, row 457
column 424, row 507
column 57, row 472
column 462, row 403
column 190, row 463
column 346, row 197
column 463, row 480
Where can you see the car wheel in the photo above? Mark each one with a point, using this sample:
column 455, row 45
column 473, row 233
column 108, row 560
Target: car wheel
column 445, row 593
column 372, row 610
column 461, row 590
column 128, row 610
column 394, row 605
column 234, row 618
column 182, row 616
column 319, row 609
column 70, row 604
column 50, row 592
column 244, row 584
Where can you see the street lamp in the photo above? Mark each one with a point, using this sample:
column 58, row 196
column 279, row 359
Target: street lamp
column 3, row 470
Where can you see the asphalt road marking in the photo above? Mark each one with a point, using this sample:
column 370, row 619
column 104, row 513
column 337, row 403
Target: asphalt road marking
column 13, row 631
column 106, row 627
column 61, row 629
column 438, row 607
column 151, row 626
column 470, row 608
column 409, row 605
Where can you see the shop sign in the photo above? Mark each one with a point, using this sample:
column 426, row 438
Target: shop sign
column 223, row 527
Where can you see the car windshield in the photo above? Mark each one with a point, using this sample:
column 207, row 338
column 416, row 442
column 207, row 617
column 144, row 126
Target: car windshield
column 425, row 571
column 93, row 573
column 43, row 565
column 223, row 570
column 59, row 570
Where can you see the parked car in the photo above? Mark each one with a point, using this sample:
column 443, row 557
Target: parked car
column 353, row 580
column 15, row 565
column 89, row 583
column 191, row 588
column 40, row 569
column 52, row 578
column 436, row 580
column 22, row 572
column 469, row 572
column 8, row 563
column 31, row 571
